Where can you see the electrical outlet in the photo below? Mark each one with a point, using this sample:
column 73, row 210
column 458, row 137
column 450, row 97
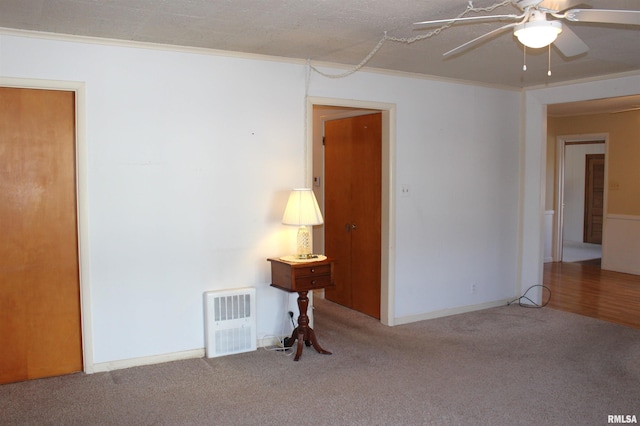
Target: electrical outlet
column 404, row 190
column 473, row 287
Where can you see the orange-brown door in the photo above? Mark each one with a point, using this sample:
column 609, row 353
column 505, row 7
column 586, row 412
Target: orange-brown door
column 353, row 197
column 593, row 198
column 40, row 333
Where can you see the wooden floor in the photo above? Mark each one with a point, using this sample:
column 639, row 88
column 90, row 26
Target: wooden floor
column 583, row 288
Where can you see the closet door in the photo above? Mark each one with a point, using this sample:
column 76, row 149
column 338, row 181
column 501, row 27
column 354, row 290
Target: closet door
column 353, row 191
column 40, row 333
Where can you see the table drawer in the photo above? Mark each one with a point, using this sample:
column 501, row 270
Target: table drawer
column 301, row 276
column 313, row 270
column 306, row 283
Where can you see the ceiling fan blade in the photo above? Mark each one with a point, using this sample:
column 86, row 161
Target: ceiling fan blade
column 470, row 18
column 628, row 17
column 558, row 5
column 569, row 44
column 477, row 39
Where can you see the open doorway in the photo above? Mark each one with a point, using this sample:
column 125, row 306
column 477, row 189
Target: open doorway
column 580, row 242
column 612, row 120
column 324, row 109
column 580, row 198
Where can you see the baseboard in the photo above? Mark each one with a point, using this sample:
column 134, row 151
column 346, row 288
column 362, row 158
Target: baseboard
column 268, row 341
column 146, row 360
column 159, row 359
column 273, row 340
column 447, row 312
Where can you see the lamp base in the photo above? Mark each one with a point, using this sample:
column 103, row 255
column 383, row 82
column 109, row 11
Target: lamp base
column 306, row 256
column 304, row 243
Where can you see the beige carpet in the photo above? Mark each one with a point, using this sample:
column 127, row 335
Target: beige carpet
column 502, row 366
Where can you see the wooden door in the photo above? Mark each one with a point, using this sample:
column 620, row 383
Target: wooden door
column 40, row 332
column 593, row 198
column 353, row 206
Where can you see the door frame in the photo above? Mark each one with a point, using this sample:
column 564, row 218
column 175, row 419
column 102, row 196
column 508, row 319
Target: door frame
column 388, row 110
column 82, row 207
column 558, row 225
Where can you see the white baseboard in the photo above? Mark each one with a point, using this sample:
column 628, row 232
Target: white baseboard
column 146, row 360
column 270, row 341
column 447, row 312
column 159, row 359
column 273, row 340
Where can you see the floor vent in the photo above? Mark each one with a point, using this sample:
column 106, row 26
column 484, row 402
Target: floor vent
column 230, row 321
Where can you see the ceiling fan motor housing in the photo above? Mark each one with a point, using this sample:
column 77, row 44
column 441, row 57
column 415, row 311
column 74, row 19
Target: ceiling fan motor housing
column 537, row 32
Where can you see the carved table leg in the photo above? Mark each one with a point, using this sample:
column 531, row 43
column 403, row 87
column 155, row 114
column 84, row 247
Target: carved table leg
column 304, row 333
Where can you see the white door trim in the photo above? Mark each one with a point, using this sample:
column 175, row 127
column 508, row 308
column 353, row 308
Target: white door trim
column 387, row 283
column 558, row 226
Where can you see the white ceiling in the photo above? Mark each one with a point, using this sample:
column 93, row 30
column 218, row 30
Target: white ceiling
column 338, row 31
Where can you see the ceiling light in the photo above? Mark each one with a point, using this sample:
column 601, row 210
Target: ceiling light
column 538, row 32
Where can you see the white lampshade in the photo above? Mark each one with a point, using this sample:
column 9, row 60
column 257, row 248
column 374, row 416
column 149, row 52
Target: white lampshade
column 302, row 208
column 536, row 34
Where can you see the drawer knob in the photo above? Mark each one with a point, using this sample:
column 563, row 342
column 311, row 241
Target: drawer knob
column 313, row 270
column 313, row 282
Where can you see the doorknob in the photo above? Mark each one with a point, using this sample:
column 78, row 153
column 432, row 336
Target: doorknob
column 354, row 226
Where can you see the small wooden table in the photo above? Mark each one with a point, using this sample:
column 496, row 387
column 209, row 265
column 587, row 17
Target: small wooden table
column 301, row 277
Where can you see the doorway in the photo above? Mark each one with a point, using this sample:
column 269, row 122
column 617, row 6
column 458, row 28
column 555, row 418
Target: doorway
column 323, row 107
column 572, row 198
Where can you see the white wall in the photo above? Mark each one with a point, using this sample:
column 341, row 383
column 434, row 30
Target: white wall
column 549, row 217
column 457, row 148
column 621, row 244
column 190, row 158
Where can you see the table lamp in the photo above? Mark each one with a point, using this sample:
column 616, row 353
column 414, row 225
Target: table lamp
column 302, row 210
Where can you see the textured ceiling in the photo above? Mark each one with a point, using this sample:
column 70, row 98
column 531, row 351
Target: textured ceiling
column 338, row 31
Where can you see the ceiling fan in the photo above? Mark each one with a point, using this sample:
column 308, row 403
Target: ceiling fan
column 540, row 24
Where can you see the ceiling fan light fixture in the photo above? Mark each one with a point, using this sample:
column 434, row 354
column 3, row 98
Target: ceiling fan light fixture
column 536, row 34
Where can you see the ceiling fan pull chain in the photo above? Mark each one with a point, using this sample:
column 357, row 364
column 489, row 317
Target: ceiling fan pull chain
column 524, row 60
column 549, row 71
